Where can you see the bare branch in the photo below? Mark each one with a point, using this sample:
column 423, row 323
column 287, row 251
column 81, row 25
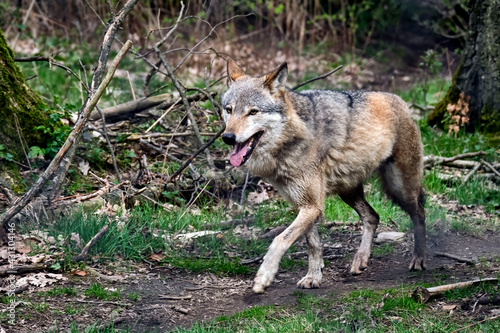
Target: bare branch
column 51, row 61
column 317, row 78
column 192, row 157
column 111, row 150
column 206, row 37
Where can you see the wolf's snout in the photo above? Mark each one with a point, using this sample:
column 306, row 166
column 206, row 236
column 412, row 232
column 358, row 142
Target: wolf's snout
column 229, row 138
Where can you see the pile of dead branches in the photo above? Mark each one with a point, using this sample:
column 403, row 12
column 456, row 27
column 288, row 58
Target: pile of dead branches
column 461, row 168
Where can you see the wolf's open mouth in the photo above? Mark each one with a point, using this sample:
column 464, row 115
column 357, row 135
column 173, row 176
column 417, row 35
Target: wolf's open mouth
column 242, row 151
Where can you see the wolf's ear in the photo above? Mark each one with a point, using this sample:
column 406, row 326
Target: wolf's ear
column 234, row 72
column 277, row 78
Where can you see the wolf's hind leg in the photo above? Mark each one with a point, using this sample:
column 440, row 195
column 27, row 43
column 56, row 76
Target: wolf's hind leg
column 269, row 268
column 402, row 181
column 315, row 254
column 370, row 218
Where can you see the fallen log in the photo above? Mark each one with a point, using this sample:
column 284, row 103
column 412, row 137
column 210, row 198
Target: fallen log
column 130, row 108
column 422, row 295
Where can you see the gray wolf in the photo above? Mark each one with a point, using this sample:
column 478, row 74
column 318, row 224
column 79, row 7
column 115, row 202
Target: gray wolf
column 315, row 143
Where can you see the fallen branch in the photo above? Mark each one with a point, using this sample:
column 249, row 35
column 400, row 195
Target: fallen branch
column 252, row 261
column 175, row 298
column 79, row 198
column 274, row 232
column 85, row 252
column 113, row 278
column 432, row 160
column 135, row 137
column 491, row 167
column 103, row 302
column 455, row 257
column 129, row 108
column 422, row 295
column 180, row 309
column 24, row 269
column 472, row 172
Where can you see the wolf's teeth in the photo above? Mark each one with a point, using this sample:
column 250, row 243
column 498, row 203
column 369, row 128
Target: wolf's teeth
column 252, row 139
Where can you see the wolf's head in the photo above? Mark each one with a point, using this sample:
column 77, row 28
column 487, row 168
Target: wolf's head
column 253, row 110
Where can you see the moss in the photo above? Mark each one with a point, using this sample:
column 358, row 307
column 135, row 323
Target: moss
column 490, row 120
column 9, row 171
column 17, row 100
column 436, row 117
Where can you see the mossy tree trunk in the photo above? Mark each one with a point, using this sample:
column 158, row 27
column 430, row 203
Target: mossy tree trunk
column 18, row 103
column 478, row 75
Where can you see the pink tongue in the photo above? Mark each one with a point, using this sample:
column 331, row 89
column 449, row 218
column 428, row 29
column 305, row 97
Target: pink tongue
column 238, row 154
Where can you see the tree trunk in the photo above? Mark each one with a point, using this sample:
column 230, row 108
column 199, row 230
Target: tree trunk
column 21, row 110
column 478, row 75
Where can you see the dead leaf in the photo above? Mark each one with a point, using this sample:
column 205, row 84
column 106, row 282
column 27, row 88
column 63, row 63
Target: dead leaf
column 41, row 279
column 84, row 167
column 78, row 272
column 76, row 238
column 38, row 258
column 156, row 256
column 23, row 247
column 4, row 254
column 449, row 307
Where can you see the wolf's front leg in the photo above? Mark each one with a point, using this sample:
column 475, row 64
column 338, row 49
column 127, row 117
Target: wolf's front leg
column 302, row 224
column 316, row 264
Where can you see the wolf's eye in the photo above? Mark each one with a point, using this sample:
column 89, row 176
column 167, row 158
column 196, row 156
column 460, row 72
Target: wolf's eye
column 229, row 109
column 253, row 111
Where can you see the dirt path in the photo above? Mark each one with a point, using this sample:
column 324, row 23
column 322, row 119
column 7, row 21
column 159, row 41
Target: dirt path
column 169, row 298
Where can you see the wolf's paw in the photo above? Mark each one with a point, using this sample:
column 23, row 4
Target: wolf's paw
column 258, row 288
column 309, row 282
column 261, row 282
column 359, row 263
column 417, row 263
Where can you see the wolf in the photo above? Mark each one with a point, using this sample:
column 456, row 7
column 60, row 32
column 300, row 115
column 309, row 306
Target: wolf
column 314, row 143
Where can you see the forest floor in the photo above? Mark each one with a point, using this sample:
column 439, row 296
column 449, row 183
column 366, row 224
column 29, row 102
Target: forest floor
column 162, row 298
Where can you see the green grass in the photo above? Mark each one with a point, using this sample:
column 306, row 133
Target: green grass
column 60, row 291
column 382, row 250
column 99, row 292
column 440, row 143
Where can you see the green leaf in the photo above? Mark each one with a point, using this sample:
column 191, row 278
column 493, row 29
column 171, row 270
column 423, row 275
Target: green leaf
column 56, row 266
column 35, row 151
column 279, row 9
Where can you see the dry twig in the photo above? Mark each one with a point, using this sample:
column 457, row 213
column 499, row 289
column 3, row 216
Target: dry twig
column 85, row 252
column 472, row 172
column 317, row 78
column 491, row 167
column 421, row 294
column 455, row 257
